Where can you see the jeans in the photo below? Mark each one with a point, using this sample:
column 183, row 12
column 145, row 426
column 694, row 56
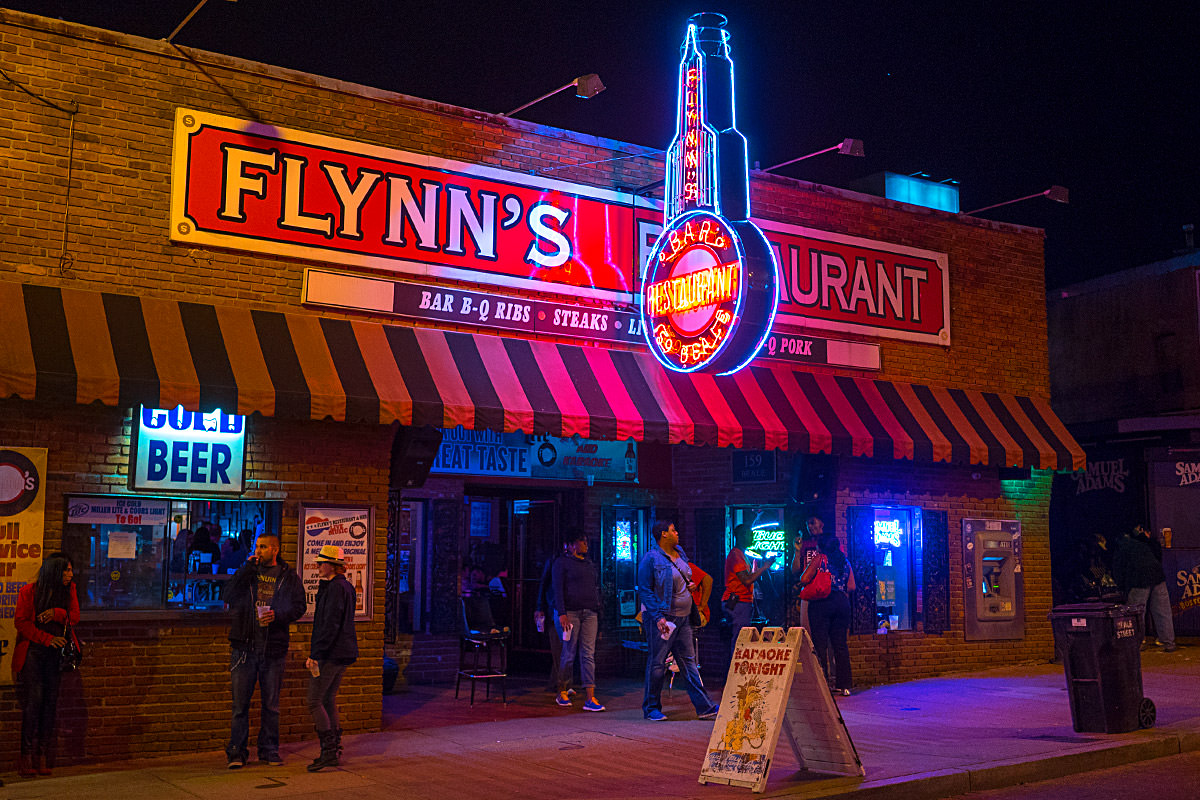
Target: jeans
column 322, row 695
column 556, row 643
column 1158, row 603
column 247, row 667
column 38, row 693
column 740, row 618
column 583, row 641
column 830, row 620
column 682, row 645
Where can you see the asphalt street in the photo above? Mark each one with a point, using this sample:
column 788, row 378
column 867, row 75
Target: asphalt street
column 1171, row 778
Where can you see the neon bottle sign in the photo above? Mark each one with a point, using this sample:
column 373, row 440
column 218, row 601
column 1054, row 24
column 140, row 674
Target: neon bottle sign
column 709, row 287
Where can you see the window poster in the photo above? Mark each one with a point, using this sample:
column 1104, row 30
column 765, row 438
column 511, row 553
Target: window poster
column 350, row 528
column 22, row 525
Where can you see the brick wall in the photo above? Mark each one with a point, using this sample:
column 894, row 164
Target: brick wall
column 904, row 655
column 127, row 89
column 704, row 481
column 159, row 683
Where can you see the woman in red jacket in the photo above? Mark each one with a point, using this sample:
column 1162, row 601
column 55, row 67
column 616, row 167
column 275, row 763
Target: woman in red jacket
column 44, row 609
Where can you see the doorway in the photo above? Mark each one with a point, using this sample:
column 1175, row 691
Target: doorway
column 510, row 537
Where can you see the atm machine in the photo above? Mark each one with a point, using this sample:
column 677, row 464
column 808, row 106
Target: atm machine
column 993, row 583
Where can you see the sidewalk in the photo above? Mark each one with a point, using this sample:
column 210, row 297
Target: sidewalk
column 925, row 739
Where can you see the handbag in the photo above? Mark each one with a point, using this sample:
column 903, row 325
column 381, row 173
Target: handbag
column 70, row 655
column 821, row 584
column 694, row 618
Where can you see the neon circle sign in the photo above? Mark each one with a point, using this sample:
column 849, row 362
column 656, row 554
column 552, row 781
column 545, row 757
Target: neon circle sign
column 709, row 287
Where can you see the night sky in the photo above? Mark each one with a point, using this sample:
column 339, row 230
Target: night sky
column 1007, row 98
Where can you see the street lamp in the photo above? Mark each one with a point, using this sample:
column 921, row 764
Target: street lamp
column 586, row 86
column 848, row 147
column 1058, row 194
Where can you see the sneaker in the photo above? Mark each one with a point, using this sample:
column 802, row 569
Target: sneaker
column 271, row 760
column 563, row 700
column 710, row 714
column 655, row 716
column 593, row 705
column 571, row 693
column 1170, row 648
column 236, row 763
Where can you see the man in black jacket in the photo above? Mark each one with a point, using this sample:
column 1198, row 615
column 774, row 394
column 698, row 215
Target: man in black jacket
column 334, row 647
column 265, row 596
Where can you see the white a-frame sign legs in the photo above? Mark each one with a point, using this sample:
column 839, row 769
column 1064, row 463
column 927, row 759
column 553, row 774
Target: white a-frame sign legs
column 775, row 683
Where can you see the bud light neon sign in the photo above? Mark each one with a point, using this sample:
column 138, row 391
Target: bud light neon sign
column 710, row 283
column 189, row 451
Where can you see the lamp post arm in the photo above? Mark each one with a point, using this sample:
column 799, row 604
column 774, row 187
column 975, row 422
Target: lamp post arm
column 540, row 99
column 1007, row 202
column 801, row 158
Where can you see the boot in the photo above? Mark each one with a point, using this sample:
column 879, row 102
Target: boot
column 337, row 739
column 25, row 766
column 328, row 756
column 43, row 763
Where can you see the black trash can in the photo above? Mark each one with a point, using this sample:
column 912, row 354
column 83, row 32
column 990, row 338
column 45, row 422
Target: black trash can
column 1100, row 646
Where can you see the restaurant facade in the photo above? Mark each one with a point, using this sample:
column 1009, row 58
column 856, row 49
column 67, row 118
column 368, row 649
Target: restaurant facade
column 250, row 298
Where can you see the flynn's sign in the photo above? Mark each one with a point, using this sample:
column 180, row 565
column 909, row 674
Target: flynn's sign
column 258, row 188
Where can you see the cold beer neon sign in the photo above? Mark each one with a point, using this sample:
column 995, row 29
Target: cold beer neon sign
column 709, row 291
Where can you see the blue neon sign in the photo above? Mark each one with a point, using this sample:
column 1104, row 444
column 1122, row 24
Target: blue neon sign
column 710, row 285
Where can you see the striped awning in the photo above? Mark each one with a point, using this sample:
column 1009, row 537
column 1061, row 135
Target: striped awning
column 71, row 344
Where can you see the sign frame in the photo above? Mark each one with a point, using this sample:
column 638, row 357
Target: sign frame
column 23, row 527
column 799, row 705
column 186, row 229
column 135, row 453
column 309, row 545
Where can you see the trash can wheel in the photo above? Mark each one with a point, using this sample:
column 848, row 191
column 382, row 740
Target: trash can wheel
column 1147, row 713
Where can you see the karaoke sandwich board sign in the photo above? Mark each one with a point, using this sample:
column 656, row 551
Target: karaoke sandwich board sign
column 774, row 685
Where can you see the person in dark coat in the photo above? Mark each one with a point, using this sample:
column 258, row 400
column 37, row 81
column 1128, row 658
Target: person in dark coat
column 334, row 647
column 265, row 596
column 1138, row 569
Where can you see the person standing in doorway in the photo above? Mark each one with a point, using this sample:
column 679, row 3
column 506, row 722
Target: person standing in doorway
column 334, row 647
column 830, row 616
column 575, row 588
column 1138, row 570
column 665, row 587
column 738, row 599
column 265, row 596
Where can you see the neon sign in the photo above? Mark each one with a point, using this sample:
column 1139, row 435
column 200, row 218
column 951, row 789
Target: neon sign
column 624, row 541
column 188, row 451
column 887, row 531
column 710, row 283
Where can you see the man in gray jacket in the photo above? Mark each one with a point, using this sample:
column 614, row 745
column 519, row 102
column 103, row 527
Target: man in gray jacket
column 664, row 587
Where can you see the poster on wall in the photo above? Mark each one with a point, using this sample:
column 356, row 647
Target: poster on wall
column 1183, row 583
column 22, row 525
column 351, row 528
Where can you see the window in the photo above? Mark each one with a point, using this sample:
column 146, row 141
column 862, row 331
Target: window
column 624, row 541
column 140, row 553
column 891, row 559
column 896, row 532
